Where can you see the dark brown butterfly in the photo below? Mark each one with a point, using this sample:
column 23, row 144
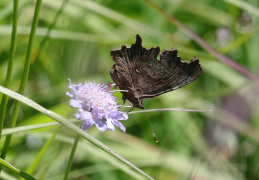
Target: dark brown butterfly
column 138, row 71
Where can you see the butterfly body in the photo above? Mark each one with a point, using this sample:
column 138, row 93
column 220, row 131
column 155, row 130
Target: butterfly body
column 138, row 71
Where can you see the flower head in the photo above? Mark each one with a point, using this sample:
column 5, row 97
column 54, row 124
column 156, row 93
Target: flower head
column 97, row 105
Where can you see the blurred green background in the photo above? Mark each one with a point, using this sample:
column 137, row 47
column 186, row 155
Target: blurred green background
column 74, row 40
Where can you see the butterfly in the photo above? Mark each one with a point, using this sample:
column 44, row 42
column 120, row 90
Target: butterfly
column 141, row 75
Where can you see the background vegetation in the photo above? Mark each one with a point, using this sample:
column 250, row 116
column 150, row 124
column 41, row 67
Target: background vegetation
column 73, row 40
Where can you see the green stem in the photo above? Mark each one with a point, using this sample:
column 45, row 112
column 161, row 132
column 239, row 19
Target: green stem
column 50, row 28
column 38, row 158
column 25, row 75
column 33, row 127
column 10, row 64
column 71, row 157
column 15, row 170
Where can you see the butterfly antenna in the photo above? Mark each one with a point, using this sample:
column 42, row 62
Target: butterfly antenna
column 154, row 136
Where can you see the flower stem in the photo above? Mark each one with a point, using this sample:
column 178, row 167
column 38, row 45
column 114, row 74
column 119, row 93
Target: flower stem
column 46, row 37
column 10, row 167
column 70, row 160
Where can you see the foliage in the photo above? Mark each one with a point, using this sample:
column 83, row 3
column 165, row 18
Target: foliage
column 73, row 40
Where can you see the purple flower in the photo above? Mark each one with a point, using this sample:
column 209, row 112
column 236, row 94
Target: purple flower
column 96, row 105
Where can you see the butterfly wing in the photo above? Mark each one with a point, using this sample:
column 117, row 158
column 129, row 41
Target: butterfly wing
column 138, row 71
column 170, row 73
column 127, row 72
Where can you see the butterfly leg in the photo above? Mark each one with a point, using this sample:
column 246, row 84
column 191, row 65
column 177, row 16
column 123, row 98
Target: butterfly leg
column 132, row 107
column 121, row 104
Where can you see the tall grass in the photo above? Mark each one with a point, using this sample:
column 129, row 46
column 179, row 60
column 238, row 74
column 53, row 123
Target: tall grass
column 45, row 43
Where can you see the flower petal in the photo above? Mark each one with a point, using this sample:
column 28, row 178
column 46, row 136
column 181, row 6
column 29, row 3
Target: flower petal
column 110, row 126
column 113, row 114
column 87, row 124
column 122, row 116
column 70, row 94
column 118, row 124
column 100, row 125
column 95, row 110
column 77, row 115
column 86, row 115
column 74, row 103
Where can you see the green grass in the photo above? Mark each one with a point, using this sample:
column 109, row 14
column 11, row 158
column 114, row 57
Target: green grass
column 73, row 40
